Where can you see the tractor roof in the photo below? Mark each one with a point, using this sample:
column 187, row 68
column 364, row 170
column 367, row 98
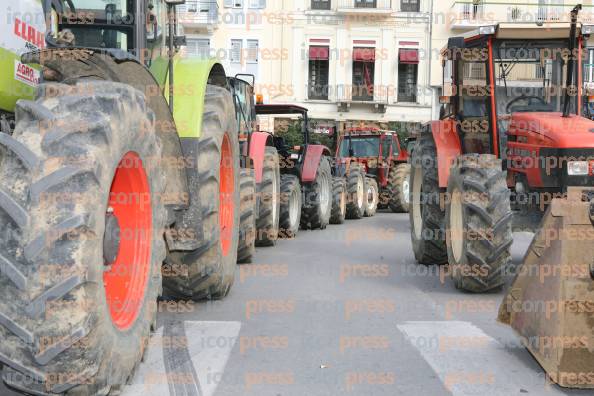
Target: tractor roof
column 271, row 109
column 522, row 31
column 369, row 131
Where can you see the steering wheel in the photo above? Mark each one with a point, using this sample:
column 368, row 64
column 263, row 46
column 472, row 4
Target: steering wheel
column 523, row 97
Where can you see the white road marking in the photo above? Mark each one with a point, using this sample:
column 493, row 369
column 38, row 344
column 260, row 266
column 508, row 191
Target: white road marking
column 469, row 362
column 209, row 344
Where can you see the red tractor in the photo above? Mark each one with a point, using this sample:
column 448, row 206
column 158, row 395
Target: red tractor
column 510, row 138
column 260, row 174
column 308, row 191
column 384, row 160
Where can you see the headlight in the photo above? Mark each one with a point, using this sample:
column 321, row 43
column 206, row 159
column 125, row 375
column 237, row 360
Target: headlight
column 578, row 168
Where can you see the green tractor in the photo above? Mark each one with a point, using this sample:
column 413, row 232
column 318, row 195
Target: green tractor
column 120, row 173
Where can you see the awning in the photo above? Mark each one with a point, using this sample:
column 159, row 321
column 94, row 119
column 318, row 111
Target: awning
column 319, row 53
column 409, row 56
column 364, row 54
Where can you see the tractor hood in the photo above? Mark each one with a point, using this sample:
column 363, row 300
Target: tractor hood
column 555, row 131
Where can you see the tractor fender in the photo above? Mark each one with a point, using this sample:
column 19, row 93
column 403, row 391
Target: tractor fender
column 447, row 143
column 191, row 75
column 258, row 143
column 311, row 162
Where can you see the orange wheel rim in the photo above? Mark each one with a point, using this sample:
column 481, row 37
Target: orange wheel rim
column 226, row 193
column 127, row 277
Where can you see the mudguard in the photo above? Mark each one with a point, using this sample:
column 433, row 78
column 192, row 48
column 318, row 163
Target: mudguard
column 311, row 162
column 258, row 144
column 447, row 142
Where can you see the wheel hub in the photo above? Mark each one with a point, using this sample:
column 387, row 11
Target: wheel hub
column 406, row 190
column 111, row 239
column 128, row 242
column 457, row 226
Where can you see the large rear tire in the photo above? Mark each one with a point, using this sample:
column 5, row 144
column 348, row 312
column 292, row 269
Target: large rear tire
column 399, row 187
column 290, row 209
column 247, row 222
column 478, row 223
column 209, row 271
column 267, row 222
column 317, row 199
column 82, row 242
column 338, row 201
column 355, row 192
column 372, row 197
column 426, row 217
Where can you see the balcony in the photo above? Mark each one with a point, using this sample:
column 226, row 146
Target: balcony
column 471, row 14
column 199, row 14
column 364, row 6
column 348, row 95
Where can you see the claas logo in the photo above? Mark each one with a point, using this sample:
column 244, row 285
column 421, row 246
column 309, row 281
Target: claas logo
column 29, row 33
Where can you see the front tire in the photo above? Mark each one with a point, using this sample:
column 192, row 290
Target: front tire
column 267, row 223
column 209, row 271
column 399, row 187
column 427, row 220
column 291, row 204
column 372, row 197
column 355, row 191
column 338, row 201
column 247, row 223
column 317, row 203
column 82, row 243
column 478, row 223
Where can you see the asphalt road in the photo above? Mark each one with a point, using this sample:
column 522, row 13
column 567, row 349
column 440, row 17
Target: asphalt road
column 341, row 311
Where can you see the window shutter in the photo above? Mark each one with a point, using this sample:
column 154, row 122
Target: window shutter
column 236, row 51
column 252, row 51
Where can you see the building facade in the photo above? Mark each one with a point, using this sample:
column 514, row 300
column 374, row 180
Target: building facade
column 350, row 62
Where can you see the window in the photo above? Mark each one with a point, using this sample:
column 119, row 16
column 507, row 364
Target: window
column 408, row 69
column 257, row 4
column 365, row 4
column 386, row 146
column 360, row 146
column 320, row 4
column 198, row 48
column 236, row 50
column 252, row 51
column 319, row 65
column 233, row 3
column 410, row 5
column 363, row 73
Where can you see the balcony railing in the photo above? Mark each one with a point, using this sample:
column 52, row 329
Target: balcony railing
column 364, row 6
column 199, row 13
column 470, row 14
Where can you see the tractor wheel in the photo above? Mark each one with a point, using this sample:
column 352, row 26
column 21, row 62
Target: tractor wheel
column 478, row 223
column 247, row 222
column 209, row 272
column 355, row 192
column 290, row 208
column 82, row 242
column 426, row 217
column 372, row 197
column 317, row 201
column 399, row 187
column 338, row 200
column 267, row 222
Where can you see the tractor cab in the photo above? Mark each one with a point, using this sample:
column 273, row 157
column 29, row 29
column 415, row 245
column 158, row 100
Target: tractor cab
column 372, row 147
column 291, row 142
column 503, row 83
column 516, row 90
